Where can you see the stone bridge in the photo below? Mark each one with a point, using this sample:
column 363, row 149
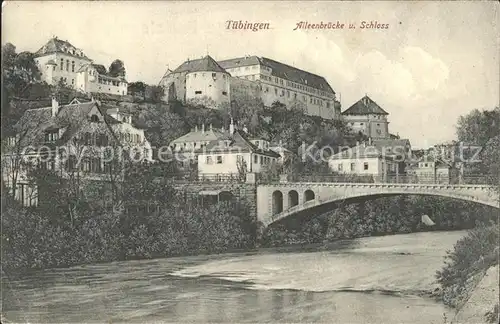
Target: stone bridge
column 275, row 202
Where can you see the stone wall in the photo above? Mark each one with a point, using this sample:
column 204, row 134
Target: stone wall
column 243, row 192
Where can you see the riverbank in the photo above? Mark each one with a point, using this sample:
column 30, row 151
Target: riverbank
column 469, row 280
column 482, row 303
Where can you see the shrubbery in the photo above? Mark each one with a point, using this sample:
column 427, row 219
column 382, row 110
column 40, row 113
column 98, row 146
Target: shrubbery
column 465, row 265
column 31, row 240
column 382, row 216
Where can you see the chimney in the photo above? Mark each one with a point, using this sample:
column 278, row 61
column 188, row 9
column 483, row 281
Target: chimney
column 369, row 141
column 203, row 128
column 210, row 127
column 55, row 106
column 196, row 128
column 231, row 127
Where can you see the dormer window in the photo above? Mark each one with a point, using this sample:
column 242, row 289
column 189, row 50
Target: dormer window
column 94, row 118
column 51, row 136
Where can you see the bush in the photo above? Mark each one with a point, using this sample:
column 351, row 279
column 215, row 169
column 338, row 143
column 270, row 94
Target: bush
column 471, row 257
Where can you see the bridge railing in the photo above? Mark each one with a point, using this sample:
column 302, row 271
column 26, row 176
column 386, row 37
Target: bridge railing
column 207, row 177
column 410, row 179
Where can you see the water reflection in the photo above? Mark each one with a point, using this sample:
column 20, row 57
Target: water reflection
column 281, row 287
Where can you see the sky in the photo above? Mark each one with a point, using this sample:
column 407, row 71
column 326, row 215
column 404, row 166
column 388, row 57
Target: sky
column 434, row 62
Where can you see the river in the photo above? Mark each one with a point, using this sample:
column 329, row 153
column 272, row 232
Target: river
column 367, row 280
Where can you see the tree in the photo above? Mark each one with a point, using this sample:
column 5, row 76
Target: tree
column 117, row 69
column 154, row 93
column 478, row 127
column 19, row 71
column 137, row 88
column 491, row 160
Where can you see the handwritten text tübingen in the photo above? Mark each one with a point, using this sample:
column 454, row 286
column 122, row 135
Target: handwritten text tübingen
column 245, row 25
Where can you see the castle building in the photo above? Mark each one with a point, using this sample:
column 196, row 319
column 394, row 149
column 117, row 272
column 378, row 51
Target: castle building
column 286, row 84
column 367, row 117
column 58, row 60
column 254, row 77
column 201, row 81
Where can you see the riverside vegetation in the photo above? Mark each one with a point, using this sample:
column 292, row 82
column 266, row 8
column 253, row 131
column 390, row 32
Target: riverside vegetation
column 77, row 226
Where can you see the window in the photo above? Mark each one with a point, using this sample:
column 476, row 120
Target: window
column 214, row 75
column 353, row 167
column 288, row 94
column 219, row 159
column 67, row 65
column 255, row 159
column 339, row 167
column 62, row 64
column 72, row 66
column 361, row 124
column 224, row 93
column 261, row 159
column 275, row 91
column 73, row 81
column 197, row 92
column 239, row 158
column 365, row 166
column 94, row 118
column 208, row 160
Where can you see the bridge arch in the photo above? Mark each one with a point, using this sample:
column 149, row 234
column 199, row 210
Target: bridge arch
column 318, row 204
column 277, row 202
column 293, row 198
column 309, row 195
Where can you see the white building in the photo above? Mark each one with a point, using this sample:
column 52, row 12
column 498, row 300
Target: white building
column 58, row 60
column 83, row 132
column 201, row 81
column 364, row 160
column 89, row 80
column 234, row 155
column 368, row 118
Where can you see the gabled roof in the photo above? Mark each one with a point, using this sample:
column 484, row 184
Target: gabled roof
column 70, row 118
column 204, row 64
column 237, row 143
column 281, row 70
column 392, row 146
column 56, row 45
column 361, row 151
column 365, row 106
column 199, row 136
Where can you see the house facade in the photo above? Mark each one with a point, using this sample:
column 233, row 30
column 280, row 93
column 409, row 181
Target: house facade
column 89, row 80
column 233, row 156
column 77, row 137
column 60, row 61
column 366, row 117
column 364, row 160
column 429, row 169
